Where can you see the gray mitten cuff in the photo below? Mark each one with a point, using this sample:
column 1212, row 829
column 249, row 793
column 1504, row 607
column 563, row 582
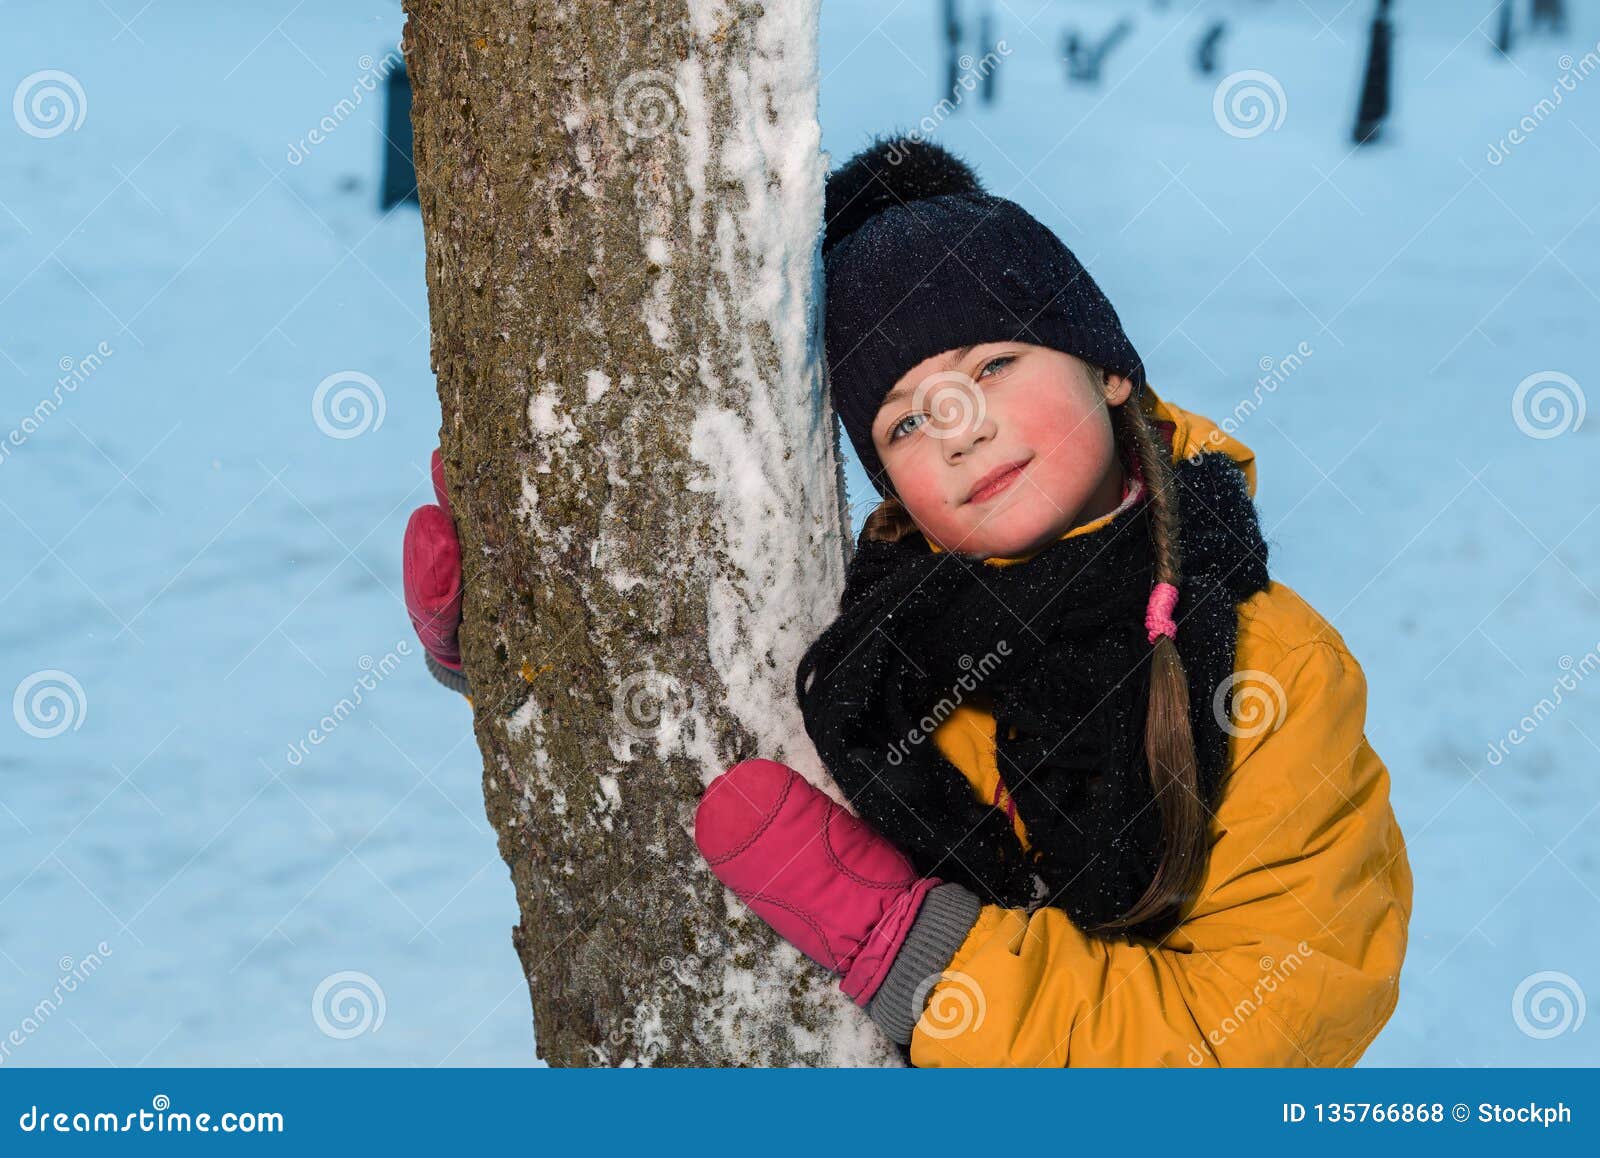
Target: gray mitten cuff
column 947, row 915
column 454, row 680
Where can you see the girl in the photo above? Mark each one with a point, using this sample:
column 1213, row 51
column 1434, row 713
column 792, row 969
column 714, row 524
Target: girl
column 1115, row 801
column 1116, row 804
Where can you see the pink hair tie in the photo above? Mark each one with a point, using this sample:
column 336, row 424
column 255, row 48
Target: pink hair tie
column 1158, row 619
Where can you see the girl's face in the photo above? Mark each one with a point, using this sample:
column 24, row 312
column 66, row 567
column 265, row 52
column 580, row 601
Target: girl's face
column 1001, row 448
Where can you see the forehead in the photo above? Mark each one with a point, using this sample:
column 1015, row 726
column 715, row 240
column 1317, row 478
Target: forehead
column 940, row 361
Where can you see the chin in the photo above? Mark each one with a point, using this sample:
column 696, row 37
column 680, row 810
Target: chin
column 1012, row 541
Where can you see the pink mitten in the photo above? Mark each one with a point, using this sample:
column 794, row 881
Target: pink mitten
column 432, row 575
column 837, row 890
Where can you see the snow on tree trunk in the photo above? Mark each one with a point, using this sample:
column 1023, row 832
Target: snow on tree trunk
column 622, row 205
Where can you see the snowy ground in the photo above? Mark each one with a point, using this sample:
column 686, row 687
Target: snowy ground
column 215, row 572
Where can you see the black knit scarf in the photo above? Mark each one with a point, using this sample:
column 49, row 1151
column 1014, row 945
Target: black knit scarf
column 1059, row 643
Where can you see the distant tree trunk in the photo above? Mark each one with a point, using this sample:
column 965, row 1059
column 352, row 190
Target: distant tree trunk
column 1503, row 37
column 1205, row 56
column 622, row 205
column 1549, row 16
column 1374, row 105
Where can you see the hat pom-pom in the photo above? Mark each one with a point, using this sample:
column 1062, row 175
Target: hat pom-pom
column 889, row 171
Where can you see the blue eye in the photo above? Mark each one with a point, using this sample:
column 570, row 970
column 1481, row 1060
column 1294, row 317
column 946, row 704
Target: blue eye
column 899, row 427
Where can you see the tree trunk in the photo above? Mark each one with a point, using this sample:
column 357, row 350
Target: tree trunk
column 622, row 204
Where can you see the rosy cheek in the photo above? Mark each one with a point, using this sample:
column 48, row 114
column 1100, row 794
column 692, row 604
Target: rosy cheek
column 1063, row 437
column 1054, row 424
column 924, row 499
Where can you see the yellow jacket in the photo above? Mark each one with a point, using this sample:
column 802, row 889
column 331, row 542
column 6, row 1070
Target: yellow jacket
column 1291, row 954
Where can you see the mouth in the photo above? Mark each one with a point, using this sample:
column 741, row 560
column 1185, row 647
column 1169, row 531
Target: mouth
column 997, row 480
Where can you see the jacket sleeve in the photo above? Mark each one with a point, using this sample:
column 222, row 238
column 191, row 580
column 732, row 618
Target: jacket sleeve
column 1289, row 957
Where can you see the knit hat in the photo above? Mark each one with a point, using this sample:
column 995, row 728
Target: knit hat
column 919, row 259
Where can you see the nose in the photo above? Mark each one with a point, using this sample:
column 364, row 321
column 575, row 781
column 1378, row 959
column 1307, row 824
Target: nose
column 968, row 429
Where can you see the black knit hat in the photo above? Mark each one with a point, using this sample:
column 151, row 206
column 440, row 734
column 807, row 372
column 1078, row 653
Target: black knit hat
column 918, row 259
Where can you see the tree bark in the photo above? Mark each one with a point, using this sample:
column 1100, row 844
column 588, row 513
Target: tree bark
column 622, row 205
